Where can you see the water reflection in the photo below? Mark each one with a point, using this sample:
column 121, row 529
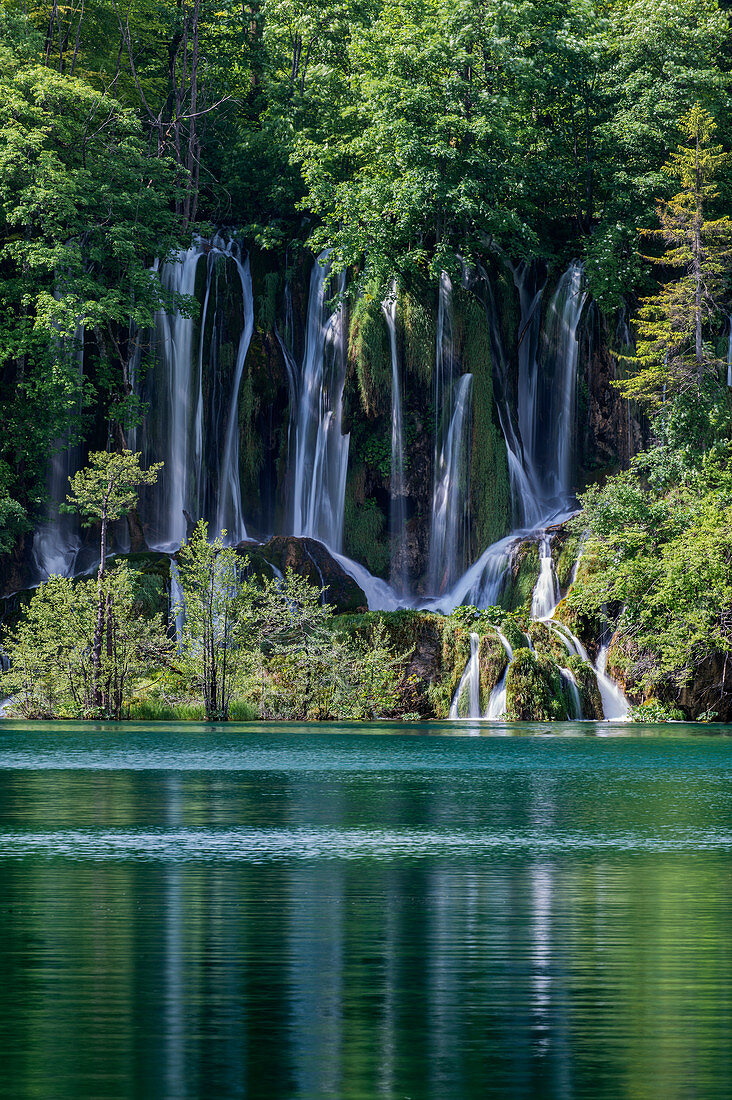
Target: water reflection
column 363, row 917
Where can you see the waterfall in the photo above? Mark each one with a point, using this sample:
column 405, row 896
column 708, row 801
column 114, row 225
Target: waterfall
column 321, row 449
column 229, row 515
column 525, row 494
column 559, row 385
column 451, row 455
column 546, row 591
column 470, row 679
column 497, row 702
column 571, row 683
column 57, row 540
column 527, row 409
column 615, row 706
column 177, row 602
column 450, row 492
column 729, row 353
column 397, row 504
column 192, row 410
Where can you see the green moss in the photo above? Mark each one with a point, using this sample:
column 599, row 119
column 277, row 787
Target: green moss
column 586, row 678
column 565, row 549
column 535, row 691
column 418, row 328
column 523, row 577
column 370, row 352
column 546, row 643
column 490, row 489
column 492, row 660
column 365, row 533
column 455, row 655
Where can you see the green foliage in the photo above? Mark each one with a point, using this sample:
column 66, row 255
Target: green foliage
column 107, row 489
column 674, row 350
column 53, row 672
column 659, row 567
column 218, row 630
column 653, row 711
column 370, row 352
column 535, row 691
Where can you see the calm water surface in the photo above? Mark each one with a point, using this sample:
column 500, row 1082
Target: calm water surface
column 285, row 913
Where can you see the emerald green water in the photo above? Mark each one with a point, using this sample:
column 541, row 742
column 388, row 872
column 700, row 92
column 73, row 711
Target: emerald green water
column 282, row 912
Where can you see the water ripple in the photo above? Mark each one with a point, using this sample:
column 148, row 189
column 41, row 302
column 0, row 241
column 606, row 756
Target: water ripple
column 267, row 845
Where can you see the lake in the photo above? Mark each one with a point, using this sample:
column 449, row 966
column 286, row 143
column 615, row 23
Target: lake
column 292, row 913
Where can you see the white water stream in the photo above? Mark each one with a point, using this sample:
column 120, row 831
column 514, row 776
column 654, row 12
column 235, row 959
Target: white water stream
column 397, row 505
column 321, row 448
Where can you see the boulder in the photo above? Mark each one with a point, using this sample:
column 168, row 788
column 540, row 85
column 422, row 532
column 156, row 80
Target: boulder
column 311, row 560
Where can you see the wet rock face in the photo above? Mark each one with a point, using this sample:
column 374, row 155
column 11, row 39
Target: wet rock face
column 311, row 560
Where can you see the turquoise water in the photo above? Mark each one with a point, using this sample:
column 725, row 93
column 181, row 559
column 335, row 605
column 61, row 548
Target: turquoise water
column 285, row 912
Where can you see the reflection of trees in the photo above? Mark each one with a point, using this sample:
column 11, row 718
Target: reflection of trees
column 516, row 972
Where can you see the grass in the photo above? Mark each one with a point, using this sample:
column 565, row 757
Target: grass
column 153, row 710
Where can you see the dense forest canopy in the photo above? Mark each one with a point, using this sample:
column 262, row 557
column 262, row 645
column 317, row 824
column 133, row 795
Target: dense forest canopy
column 408, row 138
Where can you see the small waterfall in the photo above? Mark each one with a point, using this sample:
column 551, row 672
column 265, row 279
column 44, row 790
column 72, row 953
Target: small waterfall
column 229, row 515
column 573, row 688
column 560, row 355
column 729, row 353
column 450, row 493
column 321, row 449
column 470, row 679
column 192, row 423
column 525, row 494
column 615, row 706
column 530, row 292
column 167, row 430
column 546, row 591
column 57, row 541
column 451, row 456
column 397, row 507
column 497, row 702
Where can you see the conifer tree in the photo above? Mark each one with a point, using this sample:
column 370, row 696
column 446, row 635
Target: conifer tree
column 674, row 351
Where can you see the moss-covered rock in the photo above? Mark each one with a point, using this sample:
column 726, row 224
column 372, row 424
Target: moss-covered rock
column 310, row 559
column 535, row 690
column 418, row 635
column 565, row 548
column 369, row 353
column 490, row 493
column 586, row 678
column 523, row 575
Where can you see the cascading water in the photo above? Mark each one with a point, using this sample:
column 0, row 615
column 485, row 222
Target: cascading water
column 451, row 455
column 573, row 691
column 530, row 290
column 193, row 420
column 558, row 388
column 321, row 448
column 397, row 506
column 470, row 682
column 615, row 706
column 449, row 499
column 545, row 596
column 497, row 702
column 57, row 541
column 729, row 352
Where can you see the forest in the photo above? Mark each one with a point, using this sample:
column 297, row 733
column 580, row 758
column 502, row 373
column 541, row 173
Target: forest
column 408, row 325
